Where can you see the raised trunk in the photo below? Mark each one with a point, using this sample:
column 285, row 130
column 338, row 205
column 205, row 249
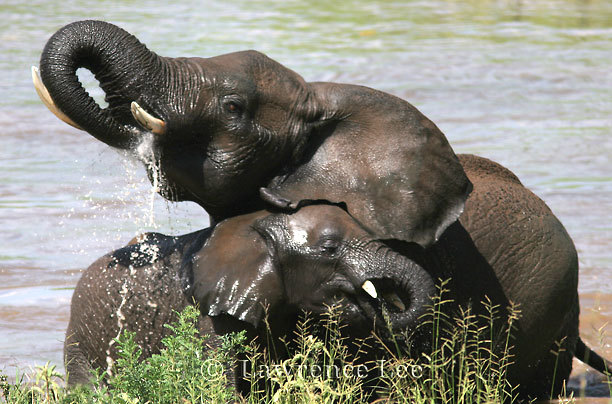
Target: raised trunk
column 125, row 68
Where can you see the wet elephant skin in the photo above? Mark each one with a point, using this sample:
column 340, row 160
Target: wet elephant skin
column 507, row 246
column 238, row 131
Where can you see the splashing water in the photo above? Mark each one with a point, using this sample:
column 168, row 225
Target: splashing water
column 120, row 323
column 146, row 154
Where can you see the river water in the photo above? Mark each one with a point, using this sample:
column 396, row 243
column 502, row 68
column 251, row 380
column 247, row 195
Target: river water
column 528, row 84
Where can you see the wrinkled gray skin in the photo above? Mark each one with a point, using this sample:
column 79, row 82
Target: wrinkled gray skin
column 507, row 246
column 285, row 263
column 531, row 261
column 240, row 125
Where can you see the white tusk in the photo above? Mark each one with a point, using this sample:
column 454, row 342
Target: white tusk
column 147, row 121
column 45, row 97
column 369, row 289
column 394, row 299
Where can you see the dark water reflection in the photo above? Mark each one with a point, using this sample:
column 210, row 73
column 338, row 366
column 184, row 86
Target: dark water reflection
column 527, row 84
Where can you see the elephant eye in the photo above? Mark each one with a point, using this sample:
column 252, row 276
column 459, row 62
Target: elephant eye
column 329, row 247
column 233, row 107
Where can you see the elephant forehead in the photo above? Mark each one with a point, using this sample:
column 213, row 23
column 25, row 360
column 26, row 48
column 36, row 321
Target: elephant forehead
column 313, row 222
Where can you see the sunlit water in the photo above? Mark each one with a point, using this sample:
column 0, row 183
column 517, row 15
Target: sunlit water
column 528, row 85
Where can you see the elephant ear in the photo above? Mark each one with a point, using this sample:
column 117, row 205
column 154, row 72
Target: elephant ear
column 234, row 274
column 390, row 165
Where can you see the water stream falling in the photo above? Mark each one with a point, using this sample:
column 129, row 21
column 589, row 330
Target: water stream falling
column 146, row 154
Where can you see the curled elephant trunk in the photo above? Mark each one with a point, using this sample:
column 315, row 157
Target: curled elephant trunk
column 415, row 287
column 119, row 62
column 398, row 288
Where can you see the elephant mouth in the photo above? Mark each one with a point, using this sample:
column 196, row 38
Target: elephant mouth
column 382, row 302
column 387, row 294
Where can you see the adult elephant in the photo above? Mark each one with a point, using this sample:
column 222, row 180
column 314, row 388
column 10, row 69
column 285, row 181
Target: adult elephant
column 320, row 256
column 231, row 129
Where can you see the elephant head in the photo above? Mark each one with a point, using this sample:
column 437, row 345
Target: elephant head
column 310, row 260
column 237, row 131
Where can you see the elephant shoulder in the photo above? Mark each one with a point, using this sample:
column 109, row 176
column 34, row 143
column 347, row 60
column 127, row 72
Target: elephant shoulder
column 498, row 199
column 146, row 237
column 150, row 248
column 480, row 169
column 500, row 211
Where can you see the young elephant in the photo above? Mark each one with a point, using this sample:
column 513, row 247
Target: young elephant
column 509, row 247
column 316, row 257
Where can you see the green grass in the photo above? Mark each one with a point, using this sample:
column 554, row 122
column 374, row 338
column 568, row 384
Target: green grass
column 184, row 372
column 467, row 364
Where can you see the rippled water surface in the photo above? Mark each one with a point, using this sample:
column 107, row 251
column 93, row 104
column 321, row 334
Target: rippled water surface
column 528, row 85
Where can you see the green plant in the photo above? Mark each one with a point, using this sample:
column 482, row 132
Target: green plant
column 601, row 332
column 4, row 385
column 46, row 382
column 183, row 370
column 466, row 363
column 318, row 367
